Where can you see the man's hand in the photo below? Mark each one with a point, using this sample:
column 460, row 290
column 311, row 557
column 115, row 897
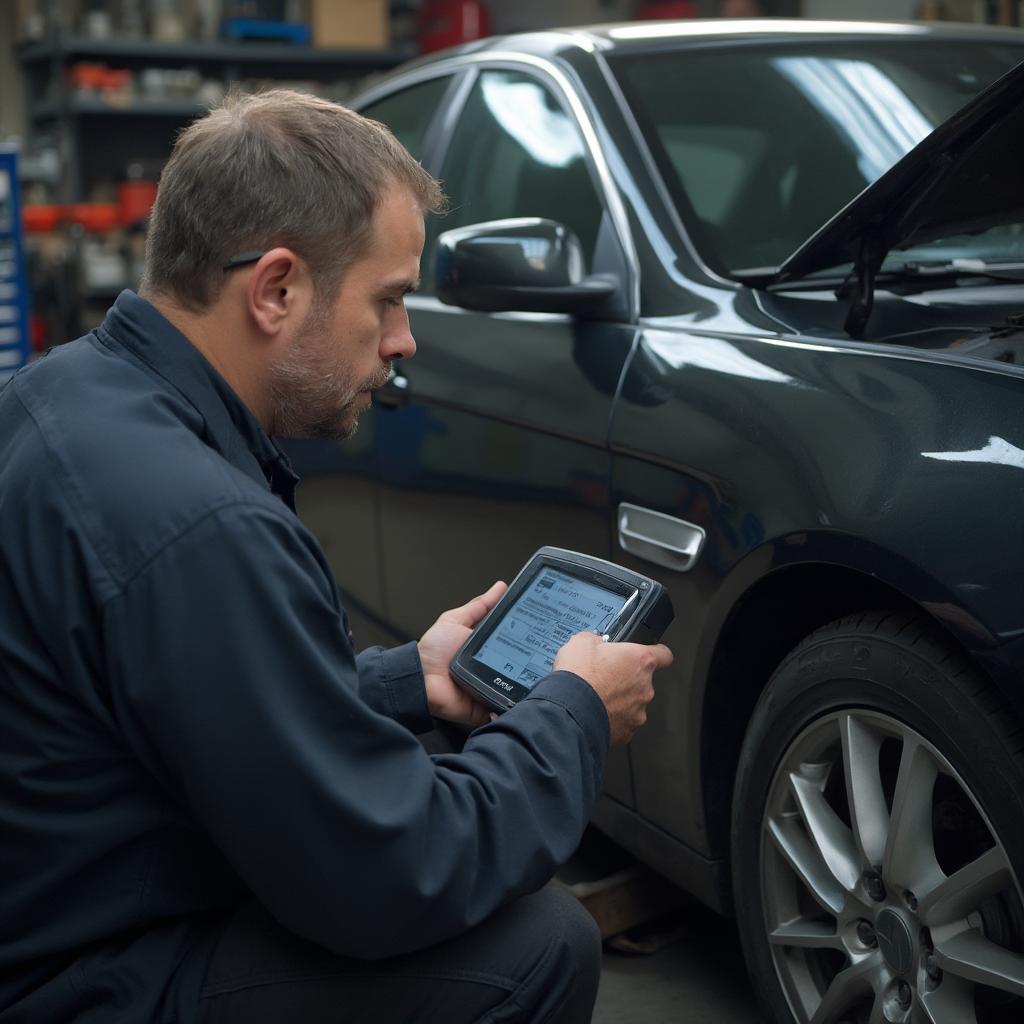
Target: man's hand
column 621, row 673
column 437, row 647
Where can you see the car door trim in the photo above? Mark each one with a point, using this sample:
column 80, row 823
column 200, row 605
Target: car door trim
column 571, row 97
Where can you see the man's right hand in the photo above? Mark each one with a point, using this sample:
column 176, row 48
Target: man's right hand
column 621, row 673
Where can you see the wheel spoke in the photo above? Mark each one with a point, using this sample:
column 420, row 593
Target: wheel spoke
column 848, row 986
column 909, row 861
column 832, row 838
column 951, row 1003
column 807, row 935
column 869, row 814
column 877, row 1015
column 969, row 955
column 806, row 861
column 965, row 890
column 892, row 831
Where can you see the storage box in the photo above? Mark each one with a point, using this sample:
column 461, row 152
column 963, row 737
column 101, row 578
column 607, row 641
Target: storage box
column 351, row 24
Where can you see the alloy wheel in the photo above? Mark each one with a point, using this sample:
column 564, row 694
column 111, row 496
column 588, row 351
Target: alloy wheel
column 888, row 897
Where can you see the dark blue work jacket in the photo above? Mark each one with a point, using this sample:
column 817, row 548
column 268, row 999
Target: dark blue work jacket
column 183, row 721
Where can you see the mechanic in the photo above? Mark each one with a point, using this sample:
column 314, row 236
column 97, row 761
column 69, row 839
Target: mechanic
column 211, row 808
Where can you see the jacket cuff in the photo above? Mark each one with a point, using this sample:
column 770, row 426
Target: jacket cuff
column 580, row 699
column 391, row 680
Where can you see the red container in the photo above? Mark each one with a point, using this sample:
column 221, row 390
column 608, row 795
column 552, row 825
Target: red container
column 39, row 217
column 669, row 9
column 134, row 201
column 93, row 216
column 445, row 23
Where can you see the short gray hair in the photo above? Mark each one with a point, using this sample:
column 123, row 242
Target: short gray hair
column 274, row 168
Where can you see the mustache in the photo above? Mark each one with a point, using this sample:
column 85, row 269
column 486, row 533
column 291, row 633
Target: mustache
column 380, row 378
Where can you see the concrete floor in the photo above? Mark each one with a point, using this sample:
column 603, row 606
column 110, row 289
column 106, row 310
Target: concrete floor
column 699, row 979
column 697, row 976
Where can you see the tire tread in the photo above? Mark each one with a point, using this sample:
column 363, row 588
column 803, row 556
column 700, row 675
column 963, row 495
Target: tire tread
column 887, row 624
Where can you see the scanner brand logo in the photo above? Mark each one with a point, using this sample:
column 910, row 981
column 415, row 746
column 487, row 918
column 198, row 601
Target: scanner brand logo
column 498, row 681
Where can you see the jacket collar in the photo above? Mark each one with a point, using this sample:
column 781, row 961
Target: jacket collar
column 229, row 427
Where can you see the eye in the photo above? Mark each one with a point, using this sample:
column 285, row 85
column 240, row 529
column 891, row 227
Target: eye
column 390, row 302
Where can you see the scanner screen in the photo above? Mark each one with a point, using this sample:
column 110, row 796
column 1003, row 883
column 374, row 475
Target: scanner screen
column 552, row 608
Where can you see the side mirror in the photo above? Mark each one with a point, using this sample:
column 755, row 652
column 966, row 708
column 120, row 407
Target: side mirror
column 528, row 264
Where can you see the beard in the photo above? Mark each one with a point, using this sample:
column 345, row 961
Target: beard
column 312, row 397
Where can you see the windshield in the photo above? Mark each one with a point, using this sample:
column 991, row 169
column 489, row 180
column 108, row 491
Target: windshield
column 760, row 145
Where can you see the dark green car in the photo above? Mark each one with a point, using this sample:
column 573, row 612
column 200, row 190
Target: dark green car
column 740, row 306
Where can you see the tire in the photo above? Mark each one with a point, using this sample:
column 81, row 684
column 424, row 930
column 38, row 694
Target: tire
column 851, row 908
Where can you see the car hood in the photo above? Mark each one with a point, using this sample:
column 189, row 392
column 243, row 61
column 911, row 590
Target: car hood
column 965, row 176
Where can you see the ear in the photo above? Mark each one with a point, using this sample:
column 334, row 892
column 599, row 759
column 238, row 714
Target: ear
column 279, row 293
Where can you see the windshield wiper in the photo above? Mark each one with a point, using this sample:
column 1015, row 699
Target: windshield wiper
column 858, row 286
column 867, row 275
column 912, row 270
column 919, row 270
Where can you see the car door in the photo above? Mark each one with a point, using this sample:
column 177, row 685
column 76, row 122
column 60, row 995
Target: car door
column 492, row 440
column 338, row 498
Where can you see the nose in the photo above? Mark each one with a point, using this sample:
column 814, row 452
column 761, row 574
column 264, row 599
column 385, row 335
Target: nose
column 397, row 341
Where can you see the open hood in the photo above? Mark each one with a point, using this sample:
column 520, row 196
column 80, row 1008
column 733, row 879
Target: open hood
column 967, row 175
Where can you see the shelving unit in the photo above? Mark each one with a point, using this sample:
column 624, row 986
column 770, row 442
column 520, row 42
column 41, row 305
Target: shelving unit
column 90, row 130
column 98, row 135
column 147, row 53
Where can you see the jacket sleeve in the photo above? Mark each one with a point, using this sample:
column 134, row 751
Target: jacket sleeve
column 234, row 680
column 391, row 682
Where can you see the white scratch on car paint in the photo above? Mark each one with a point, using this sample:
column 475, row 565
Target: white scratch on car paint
column 998, row 451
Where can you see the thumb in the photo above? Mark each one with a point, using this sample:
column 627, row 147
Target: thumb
column 473, row 611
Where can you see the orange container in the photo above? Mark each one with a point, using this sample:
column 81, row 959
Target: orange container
column 39, row 217
column 94, row 216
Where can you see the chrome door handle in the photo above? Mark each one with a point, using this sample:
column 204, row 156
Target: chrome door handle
column 656, row 537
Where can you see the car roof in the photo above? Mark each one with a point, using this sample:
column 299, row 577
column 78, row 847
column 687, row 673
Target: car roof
column 627, row 35
column 639, row 36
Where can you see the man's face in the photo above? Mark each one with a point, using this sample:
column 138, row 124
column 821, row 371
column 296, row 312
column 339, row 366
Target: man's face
column 344, row 351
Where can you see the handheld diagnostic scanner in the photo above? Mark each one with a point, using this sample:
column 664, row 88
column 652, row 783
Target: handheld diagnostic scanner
column 557, row 594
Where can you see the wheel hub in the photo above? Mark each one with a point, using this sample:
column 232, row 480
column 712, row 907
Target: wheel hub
column 895, row 940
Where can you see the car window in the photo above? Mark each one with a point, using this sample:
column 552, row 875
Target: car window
column 408, row 113
column 761, row 146
column 716, row 162
column 517, row 153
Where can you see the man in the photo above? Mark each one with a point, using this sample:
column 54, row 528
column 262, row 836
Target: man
column 211, row 809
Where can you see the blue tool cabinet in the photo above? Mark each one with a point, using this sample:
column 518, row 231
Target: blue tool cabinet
column 14, row 339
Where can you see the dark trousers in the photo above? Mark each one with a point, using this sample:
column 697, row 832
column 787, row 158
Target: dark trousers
column 537, row 960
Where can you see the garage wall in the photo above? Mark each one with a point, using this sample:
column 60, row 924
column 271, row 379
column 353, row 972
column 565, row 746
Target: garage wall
column 537, row 14
column 863, row 10
column 12, row 100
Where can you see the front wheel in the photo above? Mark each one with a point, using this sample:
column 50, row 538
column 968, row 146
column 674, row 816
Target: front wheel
column 878, row 834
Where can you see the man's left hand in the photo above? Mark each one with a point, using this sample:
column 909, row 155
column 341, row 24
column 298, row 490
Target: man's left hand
column 437, row 647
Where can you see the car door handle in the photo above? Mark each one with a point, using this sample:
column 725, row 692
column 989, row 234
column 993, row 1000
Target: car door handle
column 394, row 394
column 656, row 537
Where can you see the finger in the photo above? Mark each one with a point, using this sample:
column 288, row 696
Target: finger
column 481, row 716
column 473, row 611
column 663, row 655
column 575, row 642
column 588, row 637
